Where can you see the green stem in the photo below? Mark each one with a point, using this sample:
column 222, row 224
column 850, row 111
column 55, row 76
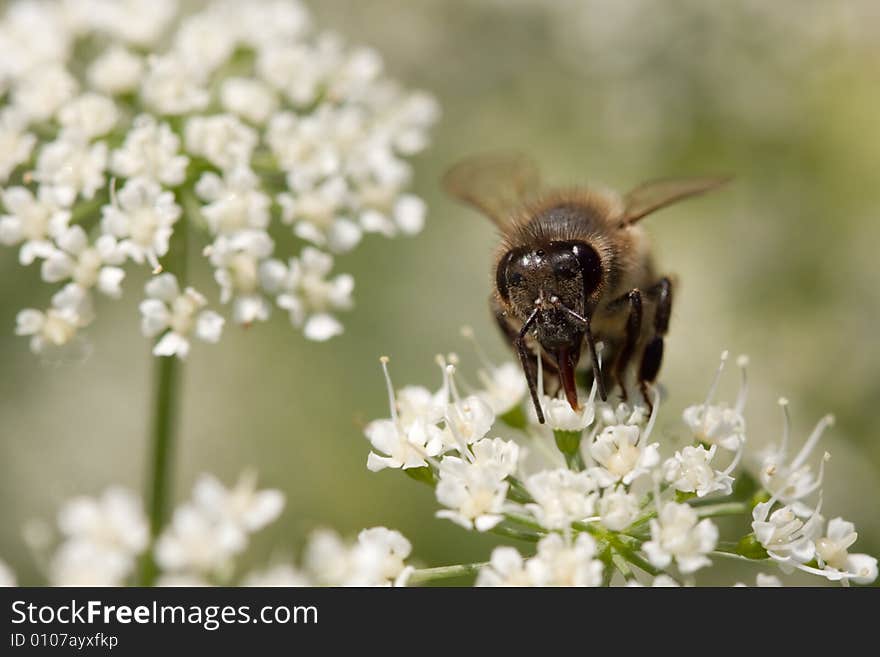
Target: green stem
column 164, row 419
column 166, row 400
column 425, row 575
column 722, row 509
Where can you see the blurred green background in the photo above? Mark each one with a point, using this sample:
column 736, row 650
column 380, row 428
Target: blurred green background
column 781, row 265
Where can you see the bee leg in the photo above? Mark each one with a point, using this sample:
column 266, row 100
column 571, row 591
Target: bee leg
column 510, row 332
column 527, row 359
column 652, row 357
column 633, row 329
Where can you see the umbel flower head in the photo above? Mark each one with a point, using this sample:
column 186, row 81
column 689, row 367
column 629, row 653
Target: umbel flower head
column 134, row 133
column 99, row 541
column 603, row 503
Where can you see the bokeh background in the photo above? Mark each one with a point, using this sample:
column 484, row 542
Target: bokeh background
column 781, row 266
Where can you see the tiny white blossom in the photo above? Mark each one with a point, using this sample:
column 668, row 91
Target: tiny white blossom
column 407, row 438
column 832, row 553
column 691, row 471
column 719, row 424
column 243, row 505
column 250, row 99
column 16, row 144
column 238, row 259
column 102, row 539
column 87, row 265
column 151, row 150
column 173, row 86
column 377, row 559
column 791, row 482
column 559, row 563
column 678, row 534
column 621, row 457
column 310, row 297
column 617, row 508
column 176, row 316
column 91, row 115
column 318, row 215
column 33, row 222
column 43, row 91
column 506, row 568
column 142, row 218
column 221, row 139
column 763, row 580
column 72, row 166
column 787, row 539
column 71, row 310
column 561, row 497
column 195, row 542
column 474, row 493
column 235, row 201
column 116, row 71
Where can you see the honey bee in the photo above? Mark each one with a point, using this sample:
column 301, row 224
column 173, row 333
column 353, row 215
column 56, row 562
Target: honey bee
column 573, row 269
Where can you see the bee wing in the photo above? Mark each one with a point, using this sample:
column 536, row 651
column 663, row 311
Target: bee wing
column 493, row 183
column 655, row 195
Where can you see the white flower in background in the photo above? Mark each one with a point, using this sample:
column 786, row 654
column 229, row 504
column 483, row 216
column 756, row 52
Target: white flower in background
column 221, row 139
column 32, row 222
column 114, row 521
column 791, row 482
column 506, row 568
column 678, row 534
column 243, row 506
column 560, row 563
column 136, row 22
column 389, row 214
column 194, row 542
column 173, row 86
column 71, row 310
column 787, row 539
column 247, row 105
column 7, row 577
column 406, row 439
column 72, row 166
column 84, row 264
column 504, row 386
column 43, row 91
column 239, row 260
column 234, row 201
column 691, row 471
column 90, row 115
column 250, row 99
column 308, row 295
column 142, row 218
column 278, row 575
column 719, row 424
column 102, row 538
column 151, row 150
column 561, row 497
column 832, row 554
column 318, row 215
column 609, row 415
column 16, row 144
column 762, row 580
column 474, row 493
column 116, row 71
column 621, row 457
column 617, row 508
column 377, row 559
column 175, row 316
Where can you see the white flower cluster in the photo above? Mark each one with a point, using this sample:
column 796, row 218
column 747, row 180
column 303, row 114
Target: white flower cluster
column 594, row 493
column 102, row 540
column 238, row 122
